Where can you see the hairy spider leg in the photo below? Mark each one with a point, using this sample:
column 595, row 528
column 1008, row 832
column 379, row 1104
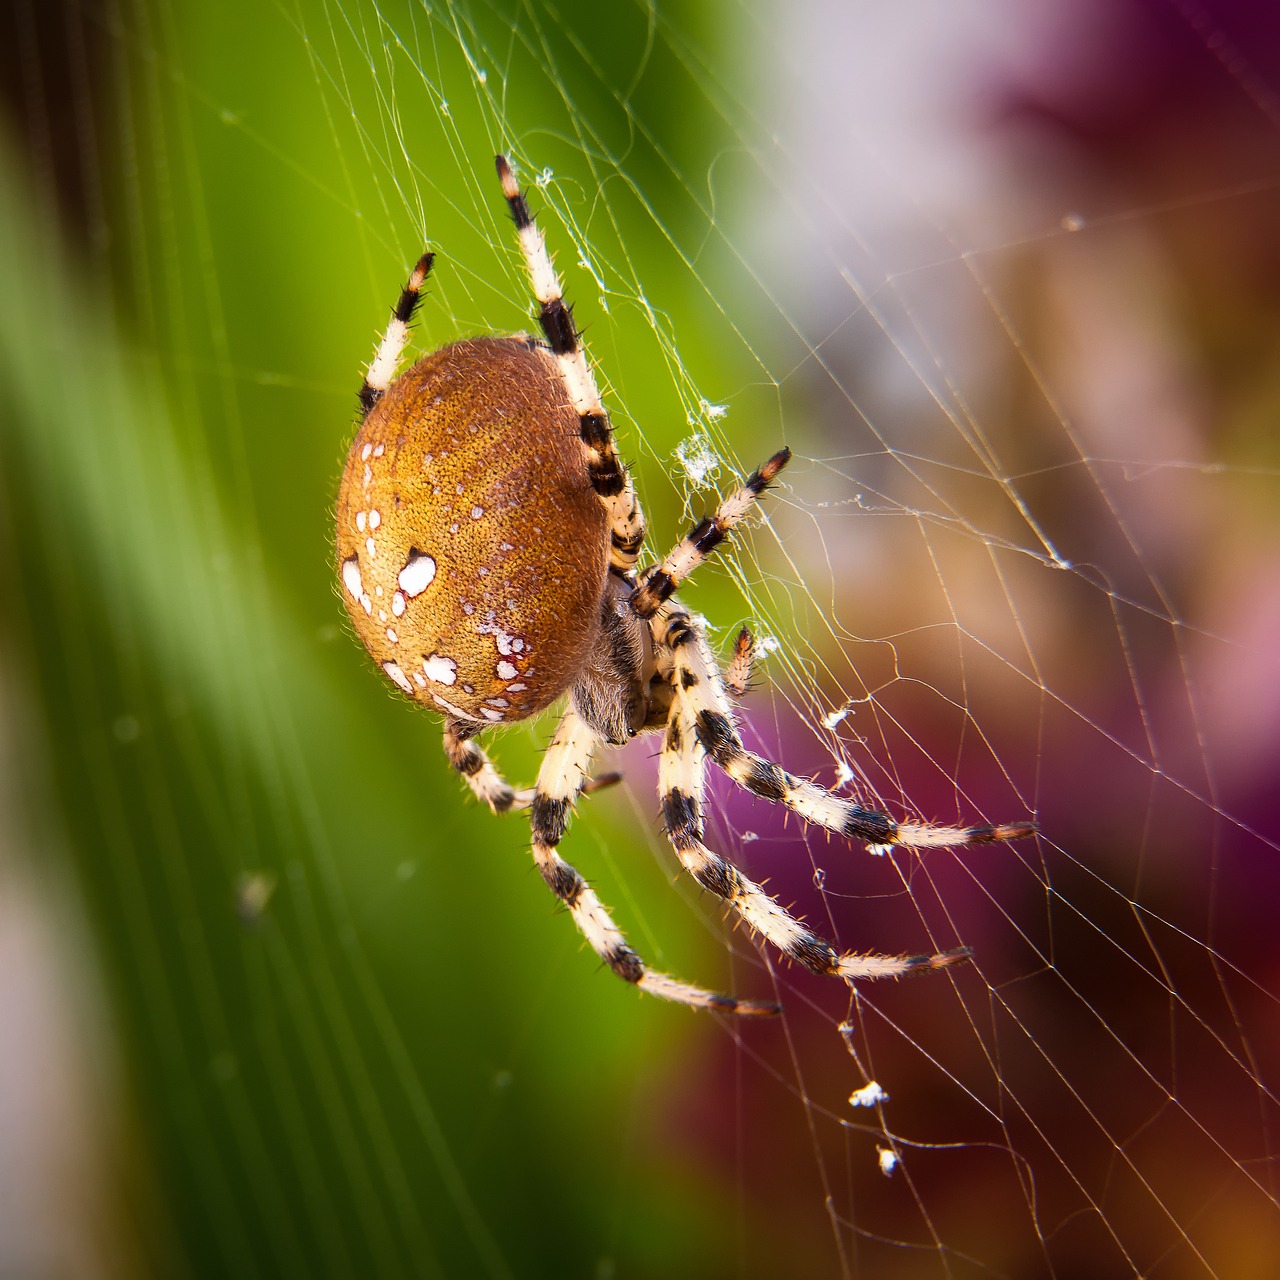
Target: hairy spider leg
column 610, row 479
column 680, row 780
column 697, row 682
column 559, row 780
column 385, row 361
column 737, row 675
column 659, row 582
column 486, row 783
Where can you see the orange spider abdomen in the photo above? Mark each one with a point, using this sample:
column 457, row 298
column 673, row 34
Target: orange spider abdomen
column 472, row 550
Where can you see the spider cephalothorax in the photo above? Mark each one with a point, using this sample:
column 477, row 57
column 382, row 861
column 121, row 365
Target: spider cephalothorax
column 488, row 536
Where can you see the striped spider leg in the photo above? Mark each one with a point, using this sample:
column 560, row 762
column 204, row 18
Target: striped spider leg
column 696, row 678
column 560, row 778
column 681, row 778
column 610, row 479
column 698, row 685
column 486, row 783
column 469, row 760
column 659, row 582
column 386, row 360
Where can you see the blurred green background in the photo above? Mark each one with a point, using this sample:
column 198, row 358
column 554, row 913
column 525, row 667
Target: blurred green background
column 281, row 1000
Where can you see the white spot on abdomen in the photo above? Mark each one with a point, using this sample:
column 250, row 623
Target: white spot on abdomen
column 351, row 577
column 418, row 574
column 450, row 708
column 393, row 670
column 440, row 669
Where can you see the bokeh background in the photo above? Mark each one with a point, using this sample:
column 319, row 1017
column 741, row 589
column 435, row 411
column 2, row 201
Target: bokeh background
column 278, row 1000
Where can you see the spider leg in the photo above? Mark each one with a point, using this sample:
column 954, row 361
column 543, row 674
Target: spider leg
column 659, row 582
column 609, row 478
column 486, row 783
column 681, row 773
column 737, row 675
column 698, row 685
column 383, row 369
column 559, row 780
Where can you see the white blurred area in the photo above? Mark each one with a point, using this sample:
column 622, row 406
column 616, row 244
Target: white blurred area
column 912, row 188
column 905, row 87
column 63, row 1163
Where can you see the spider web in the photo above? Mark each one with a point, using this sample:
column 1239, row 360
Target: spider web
column 1003, row 277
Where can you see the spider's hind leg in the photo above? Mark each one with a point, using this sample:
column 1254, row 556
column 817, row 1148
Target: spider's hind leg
column 681, row 784
column 698, row 686
column 559, row 780
column 659, row 583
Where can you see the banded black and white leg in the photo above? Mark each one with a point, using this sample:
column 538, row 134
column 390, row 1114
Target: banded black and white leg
column 486, row 783
column 681, row 777
column 698, row 685
column 659, row 582
column 386, row 359
column 609, row 478
column 559, row 780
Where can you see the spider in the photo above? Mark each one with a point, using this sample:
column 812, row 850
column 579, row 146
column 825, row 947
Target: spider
column 488, row 538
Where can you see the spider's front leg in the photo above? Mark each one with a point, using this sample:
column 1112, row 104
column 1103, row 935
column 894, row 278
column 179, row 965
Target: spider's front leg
column 659, row 582
column 382, row 370
column 681, row 775
column 698, row 685
column 610, row 479
column 559, row 780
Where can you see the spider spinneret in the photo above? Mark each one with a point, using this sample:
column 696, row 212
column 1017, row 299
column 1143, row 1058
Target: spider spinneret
column 487, row 542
